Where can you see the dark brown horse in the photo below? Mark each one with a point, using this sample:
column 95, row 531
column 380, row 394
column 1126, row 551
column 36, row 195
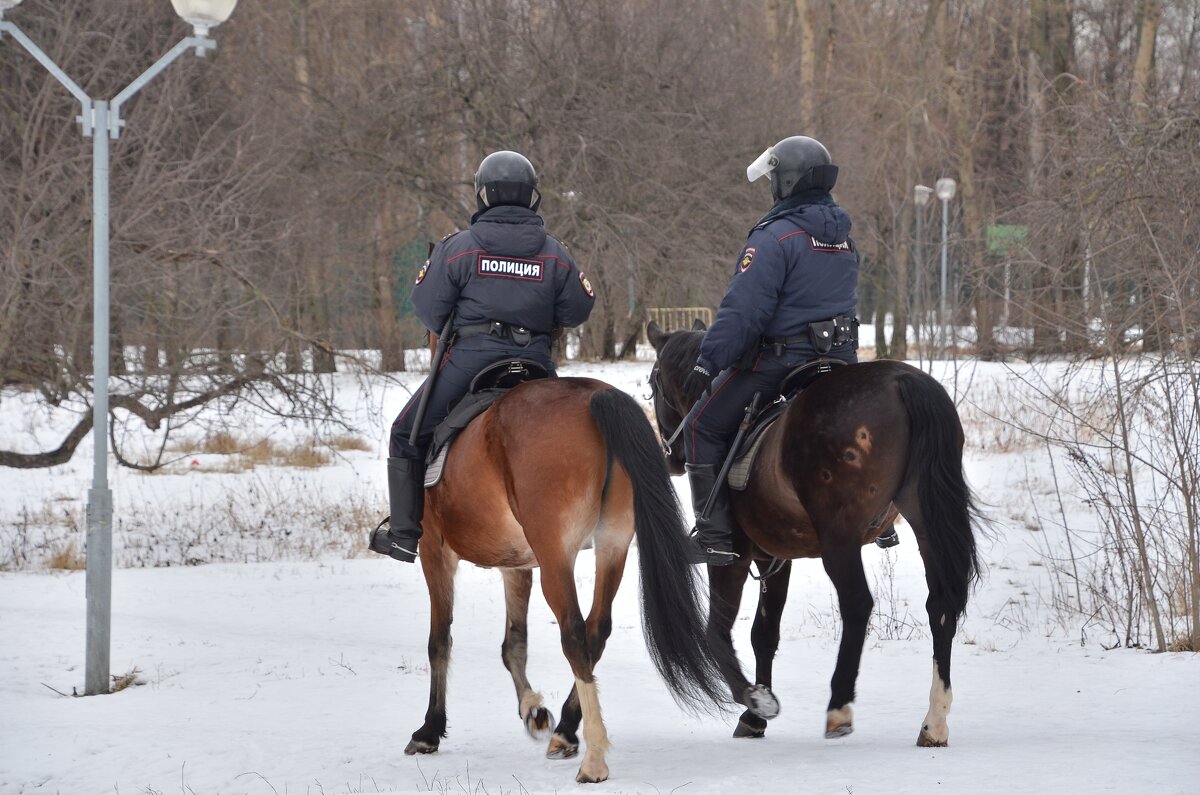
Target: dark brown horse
column 831, row 472
column 553, row 467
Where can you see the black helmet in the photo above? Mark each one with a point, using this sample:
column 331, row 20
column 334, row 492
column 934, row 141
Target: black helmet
column 795, row 164
column 506, row 178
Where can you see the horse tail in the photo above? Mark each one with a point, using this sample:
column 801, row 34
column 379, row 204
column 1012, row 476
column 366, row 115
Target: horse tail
column 943, row 496
column 673, row 620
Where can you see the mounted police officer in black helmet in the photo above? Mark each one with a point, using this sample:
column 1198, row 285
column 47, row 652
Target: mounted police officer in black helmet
column 507, row 285
column 791, row 300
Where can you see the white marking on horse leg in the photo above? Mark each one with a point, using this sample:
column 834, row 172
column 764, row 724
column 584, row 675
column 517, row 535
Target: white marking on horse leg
column 593, row 769
column 839, row 722
column 530, row 700
column 537, row 719
column 934, row 731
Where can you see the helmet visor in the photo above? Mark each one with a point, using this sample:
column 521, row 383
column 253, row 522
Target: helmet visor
column 763, row 165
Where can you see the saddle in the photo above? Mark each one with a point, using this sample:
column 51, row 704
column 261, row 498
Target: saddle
column 488, row 386
column 792, row 384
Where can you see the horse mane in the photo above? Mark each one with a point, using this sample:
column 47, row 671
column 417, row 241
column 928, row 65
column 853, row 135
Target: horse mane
column 679, row 353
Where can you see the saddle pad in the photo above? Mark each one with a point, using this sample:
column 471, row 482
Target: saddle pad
column 433, row 470
column 444, row 435
column 739, row 473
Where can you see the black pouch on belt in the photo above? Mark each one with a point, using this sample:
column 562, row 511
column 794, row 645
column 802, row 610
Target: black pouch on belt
column 821, row 335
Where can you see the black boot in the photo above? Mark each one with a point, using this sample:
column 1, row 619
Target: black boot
column 713, row 536
column 887, row 538
column 406, row 496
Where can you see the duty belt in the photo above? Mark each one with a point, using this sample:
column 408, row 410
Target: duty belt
column 498, row 328
column 821, row 334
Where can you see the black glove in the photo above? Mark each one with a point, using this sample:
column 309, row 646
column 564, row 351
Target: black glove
column 697, row 382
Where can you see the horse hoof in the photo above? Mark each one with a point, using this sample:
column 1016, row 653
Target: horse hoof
column 419, row 747
column 594, row 777
column 762, row 702
column 839, row 722
column 839, row 731
column 744, row 729
column 927, row 740
column 561, row 748
column 538, row 722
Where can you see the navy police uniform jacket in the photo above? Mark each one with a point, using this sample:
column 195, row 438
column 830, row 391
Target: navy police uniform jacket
column 503, row 268
column 796, row 268
column 506, row 268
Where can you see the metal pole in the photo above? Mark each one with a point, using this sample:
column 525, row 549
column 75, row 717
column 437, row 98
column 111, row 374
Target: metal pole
column 920, row 279
column 99, row 513
column 943, row 330
column 100, row 119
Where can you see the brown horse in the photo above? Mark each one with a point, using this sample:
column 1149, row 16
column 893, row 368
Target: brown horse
column 554, row 466
column 831, row 472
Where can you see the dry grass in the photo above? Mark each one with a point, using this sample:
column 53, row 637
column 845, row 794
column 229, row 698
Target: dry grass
column 261, row 452
column 222, row 443
column 130, row 678
column 1182, row 643
column 308, row 456
column 349, row 441
column 244, row 454
column 67, row 557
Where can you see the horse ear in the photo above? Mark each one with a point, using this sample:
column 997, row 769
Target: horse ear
column 656, row 335
column 698, row 325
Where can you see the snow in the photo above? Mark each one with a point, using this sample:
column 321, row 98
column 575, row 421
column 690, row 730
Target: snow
column 291, row 662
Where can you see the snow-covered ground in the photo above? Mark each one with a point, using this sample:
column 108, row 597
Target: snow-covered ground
column 291, row 662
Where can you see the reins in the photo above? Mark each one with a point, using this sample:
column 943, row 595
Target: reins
column 656, row 390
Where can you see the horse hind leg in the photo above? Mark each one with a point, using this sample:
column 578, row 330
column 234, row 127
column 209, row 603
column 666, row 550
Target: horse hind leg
column 610, row 565
column 558, row 585
column 943, row 624
column 514, row 652
column 843, row 564
column 439, row 565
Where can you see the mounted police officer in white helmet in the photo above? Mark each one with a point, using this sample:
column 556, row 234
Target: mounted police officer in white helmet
column 792, row 299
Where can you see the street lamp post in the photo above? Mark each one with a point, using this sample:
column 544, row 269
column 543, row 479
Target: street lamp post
column 921, row 196
column 945, row 188
column 101, row 121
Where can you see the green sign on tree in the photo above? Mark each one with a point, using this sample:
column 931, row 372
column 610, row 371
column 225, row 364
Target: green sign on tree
column 1003, row 239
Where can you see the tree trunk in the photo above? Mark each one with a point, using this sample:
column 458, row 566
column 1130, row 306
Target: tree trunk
column 808, row 63
column 1149, row 14
column 1051, row 62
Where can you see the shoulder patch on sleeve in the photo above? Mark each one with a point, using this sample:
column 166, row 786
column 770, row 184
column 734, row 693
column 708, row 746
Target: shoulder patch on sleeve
column 587, row 285
column 421, row 273
column 830, row 248
column 747, row 258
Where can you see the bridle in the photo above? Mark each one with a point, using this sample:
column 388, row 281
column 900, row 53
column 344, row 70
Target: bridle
column 656, row 391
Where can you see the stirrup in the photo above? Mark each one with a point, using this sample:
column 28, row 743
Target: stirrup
column 717, row 557
column 703, row 553
column 383, row 542
column 888, row 539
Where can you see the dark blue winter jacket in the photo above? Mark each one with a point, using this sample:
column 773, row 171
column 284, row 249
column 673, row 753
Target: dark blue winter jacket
column 796, row 268
column 504, row 267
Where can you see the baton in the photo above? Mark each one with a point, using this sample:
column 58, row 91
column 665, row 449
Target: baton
column 439, row 352
column 751, row 410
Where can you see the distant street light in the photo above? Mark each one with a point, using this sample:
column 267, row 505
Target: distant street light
column 921, row 197
column 945, row 188
column 100, row 121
